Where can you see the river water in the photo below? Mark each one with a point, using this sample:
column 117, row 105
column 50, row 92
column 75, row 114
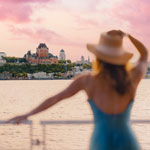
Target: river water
column 18, row 97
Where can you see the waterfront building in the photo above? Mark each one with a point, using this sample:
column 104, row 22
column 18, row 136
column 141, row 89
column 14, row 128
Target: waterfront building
column 79, row 70
column 40, row 75
column 5, row 75
column 62, row 55
column 70, row 74
column 2, row 61
column 42, row 56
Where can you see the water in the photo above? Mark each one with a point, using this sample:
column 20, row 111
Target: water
column 18, row 97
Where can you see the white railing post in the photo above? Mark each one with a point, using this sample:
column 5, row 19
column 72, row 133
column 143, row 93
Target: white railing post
column 44, row 137
column 31, row 134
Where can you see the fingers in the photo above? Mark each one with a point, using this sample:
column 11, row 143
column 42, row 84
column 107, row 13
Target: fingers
column 11, row 121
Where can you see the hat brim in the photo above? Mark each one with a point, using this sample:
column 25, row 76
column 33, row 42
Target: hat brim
column 117, row 60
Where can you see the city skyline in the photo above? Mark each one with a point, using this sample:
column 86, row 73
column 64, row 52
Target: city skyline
column 35, row 51
column 69, row 25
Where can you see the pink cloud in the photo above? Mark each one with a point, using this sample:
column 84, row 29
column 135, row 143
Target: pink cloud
column 42, row 35
column 25, row 1
column 18, row 11
column 136, row 12
column 37, row 34
column 80, row 5
column 15, row 13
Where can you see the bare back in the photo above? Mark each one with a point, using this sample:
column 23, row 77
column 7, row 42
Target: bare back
column 105, row 97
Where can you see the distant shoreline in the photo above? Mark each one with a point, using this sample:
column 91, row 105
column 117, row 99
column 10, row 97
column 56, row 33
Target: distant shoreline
column 44, row 79
column 31, row 79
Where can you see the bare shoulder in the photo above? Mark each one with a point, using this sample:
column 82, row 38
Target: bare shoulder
column 77, row 85
column 83, row 79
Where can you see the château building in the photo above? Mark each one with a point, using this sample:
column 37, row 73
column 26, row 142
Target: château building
column 62, row 55
column 42, row 56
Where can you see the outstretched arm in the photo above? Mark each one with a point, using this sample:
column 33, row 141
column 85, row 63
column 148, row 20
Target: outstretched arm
column 140, row 69
column 77, row 85
column 72, row 89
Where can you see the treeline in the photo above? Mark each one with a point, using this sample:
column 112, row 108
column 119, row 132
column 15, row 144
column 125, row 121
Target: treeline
column 15, row 60
column 23, row 60
column 23, row 69
column 28, row 68
column 19, row 66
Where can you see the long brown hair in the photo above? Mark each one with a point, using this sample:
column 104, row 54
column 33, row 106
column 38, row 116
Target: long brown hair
column 117, row 73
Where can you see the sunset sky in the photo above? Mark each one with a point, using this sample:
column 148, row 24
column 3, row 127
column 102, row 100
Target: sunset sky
column 69, row 24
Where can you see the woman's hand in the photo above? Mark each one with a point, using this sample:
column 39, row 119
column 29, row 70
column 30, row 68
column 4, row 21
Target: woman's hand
column 18, row 119
column 140, row 47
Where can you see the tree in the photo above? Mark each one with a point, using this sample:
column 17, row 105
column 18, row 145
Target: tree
column 62, row 61
column 14, row 60
column 28, row 68
column 69, row 61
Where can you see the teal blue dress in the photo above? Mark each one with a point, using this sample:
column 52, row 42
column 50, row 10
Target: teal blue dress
column 112, row 131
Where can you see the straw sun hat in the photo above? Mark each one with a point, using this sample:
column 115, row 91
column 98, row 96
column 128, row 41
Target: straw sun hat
column 110, row 49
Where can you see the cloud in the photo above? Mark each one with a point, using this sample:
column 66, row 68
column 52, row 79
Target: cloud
column 136, row 13
column 25, row 1
column 18, row 11
column 36, row 34
column 80, row 5
column 15, row 13
column 41, row 35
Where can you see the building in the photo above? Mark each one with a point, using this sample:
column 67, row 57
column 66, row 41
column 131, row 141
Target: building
column 5, row 75
column 79, row 70
column 2, row 61
column 2, row 54
column 62, row 55
column 40, row 75
column 42, row 56
column 83, row 61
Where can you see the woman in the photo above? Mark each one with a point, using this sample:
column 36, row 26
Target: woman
column 111, row 91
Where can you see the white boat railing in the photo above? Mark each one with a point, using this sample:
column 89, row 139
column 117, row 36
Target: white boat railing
column 58, row 122
column 27, row 122
column 76, row 122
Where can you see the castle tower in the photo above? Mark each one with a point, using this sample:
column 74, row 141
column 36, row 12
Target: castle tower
column 82, row 59
column 88, row 59
column 42, row 50
column 62, row 55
